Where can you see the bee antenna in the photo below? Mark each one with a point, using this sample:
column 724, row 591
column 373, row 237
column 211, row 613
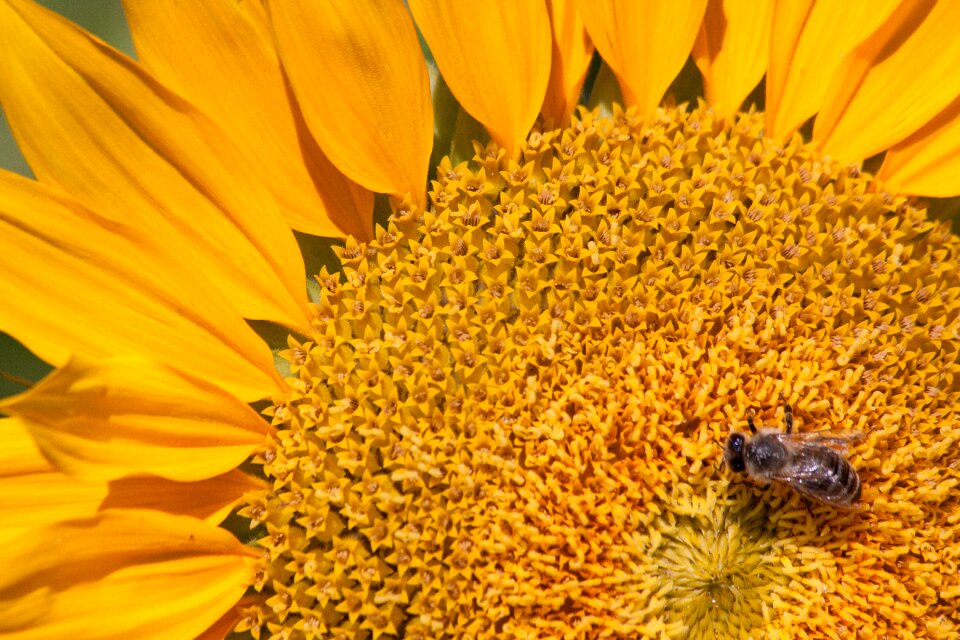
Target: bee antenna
column 753, row 428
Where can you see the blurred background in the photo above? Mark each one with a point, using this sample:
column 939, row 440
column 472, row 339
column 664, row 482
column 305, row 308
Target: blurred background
column 105, row 19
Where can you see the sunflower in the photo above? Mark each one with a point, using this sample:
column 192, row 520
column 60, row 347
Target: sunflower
column 494, row 404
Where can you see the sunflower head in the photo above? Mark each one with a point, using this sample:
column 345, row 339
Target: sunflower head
column 502, row 412
column 510, row 416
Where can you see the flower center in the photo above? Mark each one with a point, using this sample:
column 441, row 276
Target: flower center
column 721, row 566
column 509, row 419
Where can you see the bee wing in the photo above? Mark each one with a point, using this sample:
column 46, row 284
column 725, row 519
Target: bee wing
column 839, row 440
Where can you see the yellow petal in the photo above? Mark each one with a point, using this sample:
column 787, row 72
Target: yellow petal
column 116, row 417
column 211, row 499
column 220, row 55
column 19, row 454
column 74, row 282
column 359, row 75
column 121, row 574
column 928, row 162
column 32, row 492
column 808, row 42
column 893, row 83
column 731, row 51
column 645, row 43
column 494, row 56
column 570, row 59
column 89, row 120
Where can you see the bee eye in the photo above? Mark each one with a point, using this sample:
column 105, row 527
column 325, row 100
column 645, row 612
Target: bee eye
column 733, row 454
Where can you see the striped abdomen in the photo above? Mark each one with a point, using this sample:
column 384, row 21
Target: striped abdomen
column 822, row 474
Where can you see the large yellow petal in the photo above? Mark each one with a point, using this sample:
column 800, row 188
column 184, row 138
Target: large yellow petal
column 894, row 82
column 731, row 51
column 358, row 72
column 569, row 62
column 74, row 282
column 220, row 55
column 809, row 41
column 645, row 43
column 91, row 121
column 928, row 162
column 32, row 492
column 19, row 454
column 121, row 574
column 211, row 499
column 494, row 56
column 117, row 417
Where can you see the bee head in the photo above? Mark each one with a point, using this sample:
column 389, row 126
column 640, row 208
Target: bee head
column 733, row 453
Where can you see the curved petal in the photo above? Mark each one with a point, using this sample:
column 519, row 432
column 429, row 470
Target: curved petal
column 809, row 41
column 32, row 492
column 786, row 66
column 74, row 282
column 359, row 75
column 645, row 43
column 211, row 499
column 19, row 454
column 91, row 121
column 121, row 574
column 570, row 60
column 103, row 420
column 220, row 54
column 892, row 84
column 494, row 56
column 928, row 162
column 731, row 51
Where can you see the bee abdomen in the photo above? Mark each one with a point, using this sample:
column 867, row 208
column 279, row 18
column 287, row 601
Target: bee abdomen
column 846, row 481
column 836, row 482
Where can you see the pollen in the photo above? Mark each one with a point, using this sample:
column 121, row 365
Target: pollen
column 509, row 419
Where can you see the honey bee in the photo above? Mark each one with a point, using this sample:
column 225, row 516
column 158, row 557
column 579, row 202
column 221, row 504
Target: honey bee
column 813, row 463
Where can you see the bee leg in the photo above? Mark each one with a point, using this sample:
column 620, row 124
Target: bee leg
column 788, row 417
